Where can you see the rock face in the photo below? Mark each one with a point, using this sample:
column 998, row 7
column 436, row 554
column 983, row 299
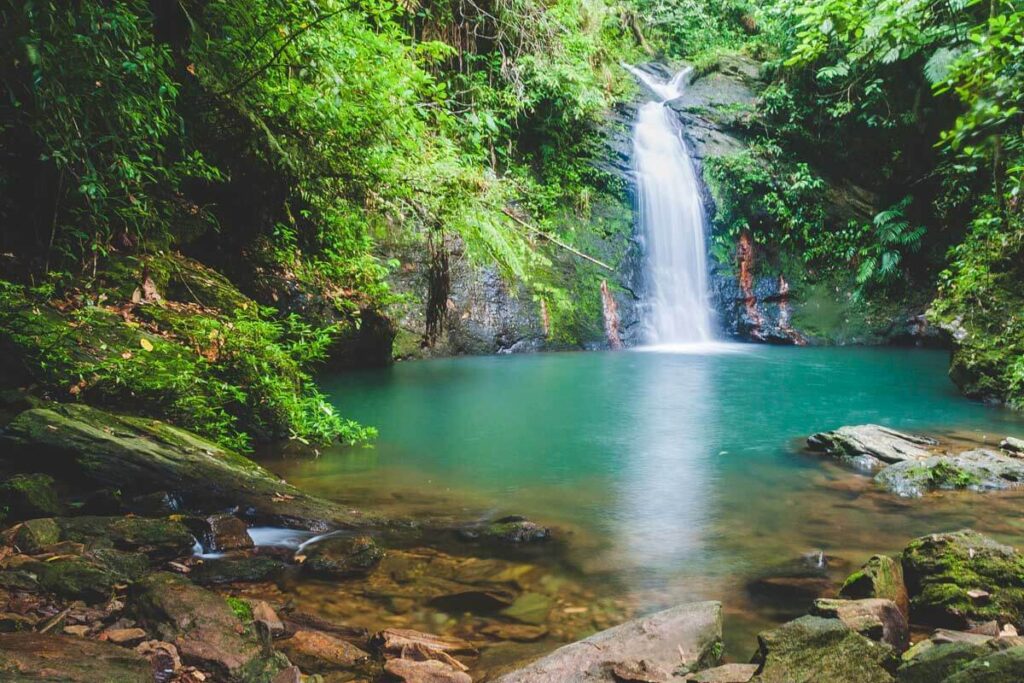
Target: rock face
column 203, row 628
column 35, row 657
column 880, row 577
column 963, row 577
column 978, row 470
column 879, row 443
column 814, row 649
column 681, row 637
column 142, row 455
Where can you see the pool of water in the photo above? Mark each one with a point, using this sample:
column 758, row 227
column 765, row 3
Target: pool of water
column 671, row 476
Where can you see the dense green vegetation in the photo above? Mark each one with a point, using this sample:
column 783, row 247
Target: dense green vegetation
column 291, row 146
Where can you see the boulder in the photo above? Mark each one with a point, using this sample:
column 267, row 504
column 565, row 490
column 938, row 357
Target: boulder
column 341, row 556
column 814, row 649
column 236, row 570
column 1006, row 666
column 37, row 657
column 955, row 579
column 92, row 577
column 880, row 577
column 684, row 636
column 28, row 496
column 882, row 443
column 1013, row 446
column 977, row 470
column 931, row 662
column 32, row 535
column 159, row 539
column 876, row 618
column 141, row 455
column 314, row 651
column 204, row 629
column 225, row 532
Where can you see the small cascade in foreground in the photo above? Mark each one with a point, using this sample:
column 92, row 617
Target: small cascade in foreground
column 671, row 216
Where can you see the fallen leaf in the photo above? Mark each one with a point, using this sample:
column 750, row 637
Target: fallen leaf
column 146, row 344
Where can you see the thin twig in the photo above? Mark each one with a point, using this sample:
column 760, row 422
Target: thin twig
column 555, row 240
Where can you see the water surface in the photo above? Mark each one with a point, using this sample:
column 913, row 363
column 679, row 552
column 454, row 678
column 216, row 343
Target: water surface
column 671, row 476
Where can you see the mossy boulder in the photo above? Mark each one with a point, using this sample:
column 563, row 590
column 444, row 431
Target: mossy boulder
column 93, row 576
column 880, row 577
column 958, row 578
column 512, row 530
column 342, row 556
column 875, row 618
column 814, row 649
column 140, row 455
column 26, row 657
column 977, row 470
column 160, row 539
column 27, row 496
column 931, row 662
column 204, row 628
column 237, row 570
column 32, row 535
column 1001, row 667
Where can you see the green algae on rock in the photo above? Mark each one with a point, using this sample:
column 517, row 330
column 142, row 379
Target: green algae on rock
column 961, row 577
column 35, row 657
column 26, row 496
column 880, row 577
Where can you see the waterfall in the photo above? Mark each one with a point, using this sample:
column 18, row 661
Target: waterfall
column 671, row 217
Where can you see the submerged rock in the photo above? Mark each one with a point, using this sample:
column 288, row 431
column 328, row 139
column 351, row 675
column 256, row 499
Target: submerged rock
column 814, row 649
column 513, row 530
column 140, row 455
column 978, row 470
column 882, row 443
column 236, row 570
column 316, row 651
column 880, row 577
column 37, row 657
column 425, row 671
column 342, row 556
column 203, row 627
column 962, row 577
column 686, row 636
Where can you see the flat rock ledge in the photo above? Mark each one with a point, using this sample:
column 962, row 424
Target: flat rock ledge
column 652, row 648
column 911, row 465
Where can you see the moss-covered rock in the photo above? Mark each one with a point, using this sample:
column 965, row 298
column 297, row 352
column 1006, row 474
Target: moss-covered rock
column 961, row 577
column 880, row 577
column 161, row 539
column 1001, row 667
column 205, row 629
column 140, row 455
column 32, row 535
column 342, row 557
column 236, row 570
column 93, row 576
column 814, row 649
column 936, row 661
column 977, row 470
column 26, row 496
column 27, row 657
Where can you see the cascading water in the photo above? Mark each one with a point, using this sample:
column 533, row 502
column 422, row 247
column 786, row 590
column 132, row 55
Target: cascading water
column 671, row 218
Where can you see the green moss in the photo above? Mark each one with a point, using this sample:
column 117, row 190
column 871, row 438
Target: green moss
column 241, row 609
column 29, row 496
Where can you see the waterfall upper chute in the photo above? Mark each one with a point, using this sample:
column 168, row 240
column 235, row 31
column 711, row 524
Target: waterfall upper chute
column 671, row 216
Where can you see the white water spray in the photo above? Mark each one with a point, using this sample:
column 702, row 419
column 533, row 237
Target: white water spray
column 671, row 218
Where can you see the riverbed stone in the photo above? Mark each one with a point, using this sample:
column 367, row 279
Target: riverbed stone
column 314, row 651
column 227, row 532
column 342, row 556
column 32, row 535
column 876, row 618
column 686, row 636
column 425, row 671
column 204, row 629
column 976, row 470
column 141, row 455
column 29, row 496
column 1013, row 445
column 880, row 577
column 393, row 641
column 37, row 657
column 883, row 443
column 963, row 577
column 93, row 576
column 813, row 649
column 513, row 530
